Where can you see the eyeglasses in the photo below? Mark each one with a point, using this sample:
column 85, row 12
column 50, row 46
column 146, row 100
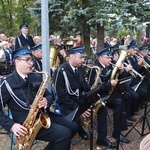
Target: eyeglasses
column 28, row 60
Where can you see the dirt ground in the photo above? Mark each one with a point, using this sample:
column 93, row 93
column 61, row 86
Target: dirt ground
column 134, row 136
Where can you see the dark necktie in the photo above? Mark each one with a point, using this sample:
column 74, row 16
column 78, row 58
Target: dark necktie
column 76, row 70
column 27, row 37
column 26, row 79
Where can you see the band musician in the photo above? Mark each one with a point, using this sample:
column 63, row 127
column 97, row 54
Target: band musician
column 103, row 61
column 138, row 65
column 18, row 91
column 70, row 84
column 130, row 104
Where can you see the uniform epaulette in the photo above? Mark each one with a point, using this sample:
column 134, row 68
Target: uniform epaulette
column 7, row 76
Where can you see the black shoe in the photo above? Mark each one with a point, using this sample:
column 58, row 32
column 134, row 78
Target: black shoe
column 123, row 139
column 107, row 143
column 129, row 124
column 131, row 118
column 136, row 113
column 83, row 134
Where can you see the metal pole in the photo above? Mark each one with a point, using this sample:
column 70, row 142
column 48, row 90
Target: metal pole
column 45, row 38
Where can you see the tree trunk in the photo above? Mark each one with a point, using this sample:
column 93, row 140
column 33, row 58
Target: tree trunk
column 86, row 40
column 100, row 37
column 139, row 36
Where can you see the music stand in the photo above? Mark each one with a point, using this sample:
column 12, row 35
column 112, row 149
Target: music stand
column 146, row 112
column 116, row 93
column 144, row 81
column 119, row 88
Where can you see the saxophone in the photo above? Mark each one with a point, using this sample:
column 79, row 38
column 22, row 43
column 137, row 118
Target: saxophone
column 98, row 104
column 33, row 124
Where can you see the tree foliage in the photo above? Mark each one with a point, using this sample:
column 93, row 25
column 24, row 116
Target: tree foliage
column 12, row 14
column 70, row 17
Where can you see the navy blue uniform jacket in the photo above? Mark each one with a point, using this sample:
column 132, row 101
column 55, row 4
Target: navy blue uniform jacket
column 19, row 86
column 65, row 100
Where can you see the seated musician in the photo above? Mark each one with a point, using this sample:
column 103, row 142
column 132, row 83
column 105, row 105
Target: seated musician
column 37, row 58
column 69, row 84
column 130, row 104
column 144, row 52
column 19, row 95
column 103, row 61
column 138, row 65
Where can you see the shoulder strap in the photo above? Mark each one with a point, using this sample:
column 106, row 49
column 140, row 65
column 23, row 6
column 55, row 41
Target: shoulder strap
column 19, row 42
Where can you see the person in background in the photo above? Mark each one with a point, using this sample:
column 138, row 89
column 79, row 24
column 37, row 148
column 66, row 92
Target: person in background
column 24, row 38
column 79, row 40
column 107, row 42
column 37, row 58
column 8, row 55
column 37, row 40
column 3, row 37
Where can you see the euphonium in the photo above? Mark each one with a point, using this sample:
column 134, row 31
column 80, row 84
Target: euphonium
column 54, row 60
column 32, row 124
column 115, row 72
column 98, row 104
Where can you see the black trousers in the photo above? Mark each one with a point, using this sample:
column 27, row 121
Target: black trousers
column 66, row 122
column 134, row 100
column 58, row 136
column 143, row 92
column 119, row 119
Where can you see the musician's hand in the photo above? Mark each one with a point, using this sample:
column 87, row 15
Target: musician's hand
column 121, row 67
column 87, row 113
column 43, row 103
column 114, row 82
column 128, row 68
column 19, row 129
column 141, row 62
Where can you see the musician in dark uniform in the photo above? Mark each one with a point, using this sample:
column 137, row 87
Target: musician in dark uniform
column 103, row 61
column 37, row 58
column 62, row 54
column 18, row 93
column 70, row 85
column 132, row 102
column 37, row 55
column 144, row 50
column 137, row 64
column 24, row 38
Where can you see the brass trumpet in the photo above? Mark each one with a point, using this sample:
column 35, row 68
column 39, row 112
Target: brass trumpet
column 133, row 72
column 139, row 56
column 148, row 57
